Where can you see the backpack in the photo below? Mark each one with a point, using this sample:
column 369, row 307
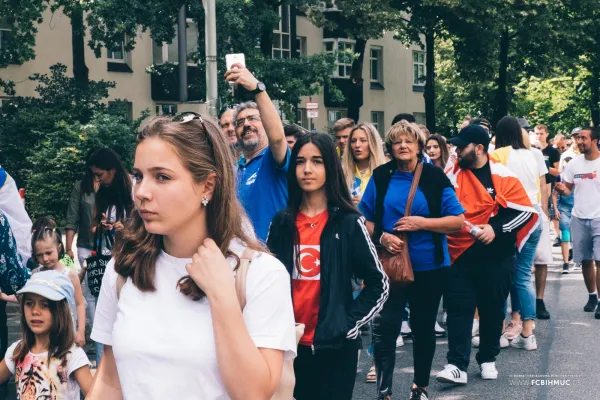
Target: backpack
column 285, row 390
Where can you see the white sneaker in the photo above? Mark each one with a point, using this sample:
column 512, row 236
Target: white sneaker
column 488, row 370
column 452, row 374
column 439, row 331
column 475, row 330
column 528, row 343
column 399, row 341
column 405, row 329
column 475, row 341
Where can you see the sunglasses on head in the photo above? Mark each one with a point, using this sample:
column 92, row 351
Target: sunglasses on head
column 188, row 116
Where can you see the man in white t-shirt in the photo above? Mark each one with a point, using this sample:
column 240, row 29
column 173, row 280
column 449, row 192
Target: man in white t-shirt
column 583, row 176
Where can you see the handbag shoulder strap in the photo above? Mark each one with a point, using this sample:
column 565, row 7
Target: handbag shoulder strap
column 413, row 189
column 240, row 276
column 98, row 240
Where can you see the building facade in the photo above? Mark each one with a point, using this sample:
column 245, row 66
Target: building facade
column 392, row 73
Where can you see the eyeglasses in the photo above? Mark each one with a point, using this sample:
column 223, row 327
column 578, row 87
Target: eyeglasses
column 251, row 118
column 188, row 116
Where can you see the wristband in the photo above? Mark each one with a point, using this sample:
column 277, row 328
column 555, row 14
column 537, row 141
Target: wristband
column 381, row 237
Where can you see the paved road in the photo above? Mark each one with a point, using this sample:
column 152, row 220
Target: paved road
column 568, row 344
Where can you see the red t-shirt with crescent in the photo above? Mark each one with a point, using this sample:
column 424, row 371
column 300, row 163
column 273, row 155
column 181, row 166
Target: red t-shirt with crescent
column 306, row 278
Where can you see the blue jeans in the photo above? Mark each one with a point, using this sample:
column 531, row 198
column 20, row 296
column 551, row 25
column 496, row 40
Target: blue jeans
column 522, row 293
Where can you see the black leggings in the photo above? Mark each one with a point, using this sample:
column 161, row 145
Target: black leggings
column 327, row 374
column 423, row 296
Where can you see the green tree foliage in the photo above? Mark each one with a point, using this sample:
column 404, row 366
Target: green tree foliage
column 242, row 27
column 559, row 102
column 58, row 160
column 26, row 120
column 359, row 20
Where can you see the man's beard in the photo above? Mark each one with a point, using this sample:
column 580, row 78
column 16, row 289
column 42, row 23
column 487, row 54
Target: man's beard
column 249, row 145
column 236, row 147
column 467, row 160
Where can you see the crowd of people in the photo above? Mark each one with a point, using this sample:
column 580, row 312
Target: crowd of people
column 243, row 252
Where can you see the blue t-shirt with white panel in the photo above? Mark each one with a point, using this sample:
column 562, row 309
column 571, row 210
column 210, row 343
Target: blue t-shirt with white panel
column 420, row 244
column 262, row 189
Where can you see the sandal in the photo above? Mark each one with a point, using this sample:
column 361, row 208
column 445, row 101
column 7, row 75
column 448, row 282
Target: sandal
column 372, row 375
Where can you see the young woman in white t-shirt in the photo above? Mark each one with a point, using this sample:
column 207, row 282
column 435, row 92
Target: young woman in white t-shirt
column 513, row 153
column 176, row 330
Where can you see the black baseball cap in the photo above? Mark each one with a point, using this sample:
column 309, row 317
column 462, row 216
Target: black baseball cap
column 482, row 122
column 471, row 134
column 524, row 123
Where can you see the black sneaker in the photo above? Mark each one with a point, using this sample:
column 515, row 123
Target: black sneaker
column 540, row 310
column 556, row 242
column 591, row 304
column 597, row 314
column 565, row 269
column 418, row 394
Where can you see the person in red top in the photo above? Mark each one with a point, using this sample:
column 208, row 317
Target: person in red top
column 306, row 279
column 324, row 243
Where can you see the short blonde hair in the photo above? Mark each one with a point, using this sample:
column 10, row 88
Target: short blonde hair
column 405, row 128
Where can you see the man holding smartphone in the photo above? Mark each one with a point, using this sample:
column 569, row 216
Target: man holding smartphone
column 262, row 169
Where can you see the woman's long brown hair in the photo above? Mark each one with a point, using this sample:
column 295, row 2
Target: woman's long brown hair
column 202, row 151
column 62, row 332
column 441, row 141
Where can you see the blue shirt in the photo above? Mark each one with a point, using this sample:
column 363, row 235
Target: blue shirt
column 262, row 189
column 420, row 244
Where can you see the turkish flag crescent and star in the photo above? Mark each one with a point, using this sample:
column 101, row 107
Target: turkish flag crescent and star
column 306, row 277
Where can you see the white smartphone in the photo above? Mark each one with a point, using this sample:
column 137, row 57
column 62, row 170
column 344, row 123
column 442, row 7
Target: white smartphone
column 238, row 58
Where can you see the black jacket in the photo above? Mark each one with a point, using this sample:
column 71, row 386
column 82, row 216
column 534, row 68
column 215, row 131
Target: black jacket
column 346, row 252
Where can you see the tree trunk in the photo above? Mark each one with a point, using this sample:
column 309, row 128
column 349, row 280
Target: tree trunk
column 430, row 81
column 355, row 94
column 80, row 70
column 501, row 106
column 595, row 100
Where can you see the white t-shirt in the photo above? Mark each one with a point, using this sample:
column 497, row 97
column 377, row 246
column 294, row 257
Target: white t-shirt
column 523, row 163
column 20, row 223
column 570, row 152
column 51, row 379
column 542, row 168
column 585, row 176
column 163, row 341
column 541, row 161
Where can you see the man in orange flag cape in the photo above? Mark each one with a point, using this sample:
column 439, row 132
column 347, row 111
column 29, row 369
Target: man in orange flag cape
column 499, row 218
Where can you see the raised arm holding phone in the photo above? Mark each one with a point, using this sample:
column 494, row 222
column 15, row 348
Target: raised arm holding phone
column 271, row 122
column 262, row 169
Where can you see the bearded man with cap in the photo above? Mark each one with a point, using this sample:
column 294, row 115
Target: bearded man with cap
column 497, row 221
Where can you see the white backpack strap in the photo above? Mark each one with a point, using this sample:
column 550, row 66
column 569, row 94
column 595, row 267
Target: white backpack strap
column 120, row 283
column 240, row 276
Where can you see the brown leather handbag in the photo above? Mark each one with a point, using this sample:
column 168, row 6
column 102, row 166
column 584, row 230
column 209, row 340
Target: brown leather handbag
column 398, row 267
